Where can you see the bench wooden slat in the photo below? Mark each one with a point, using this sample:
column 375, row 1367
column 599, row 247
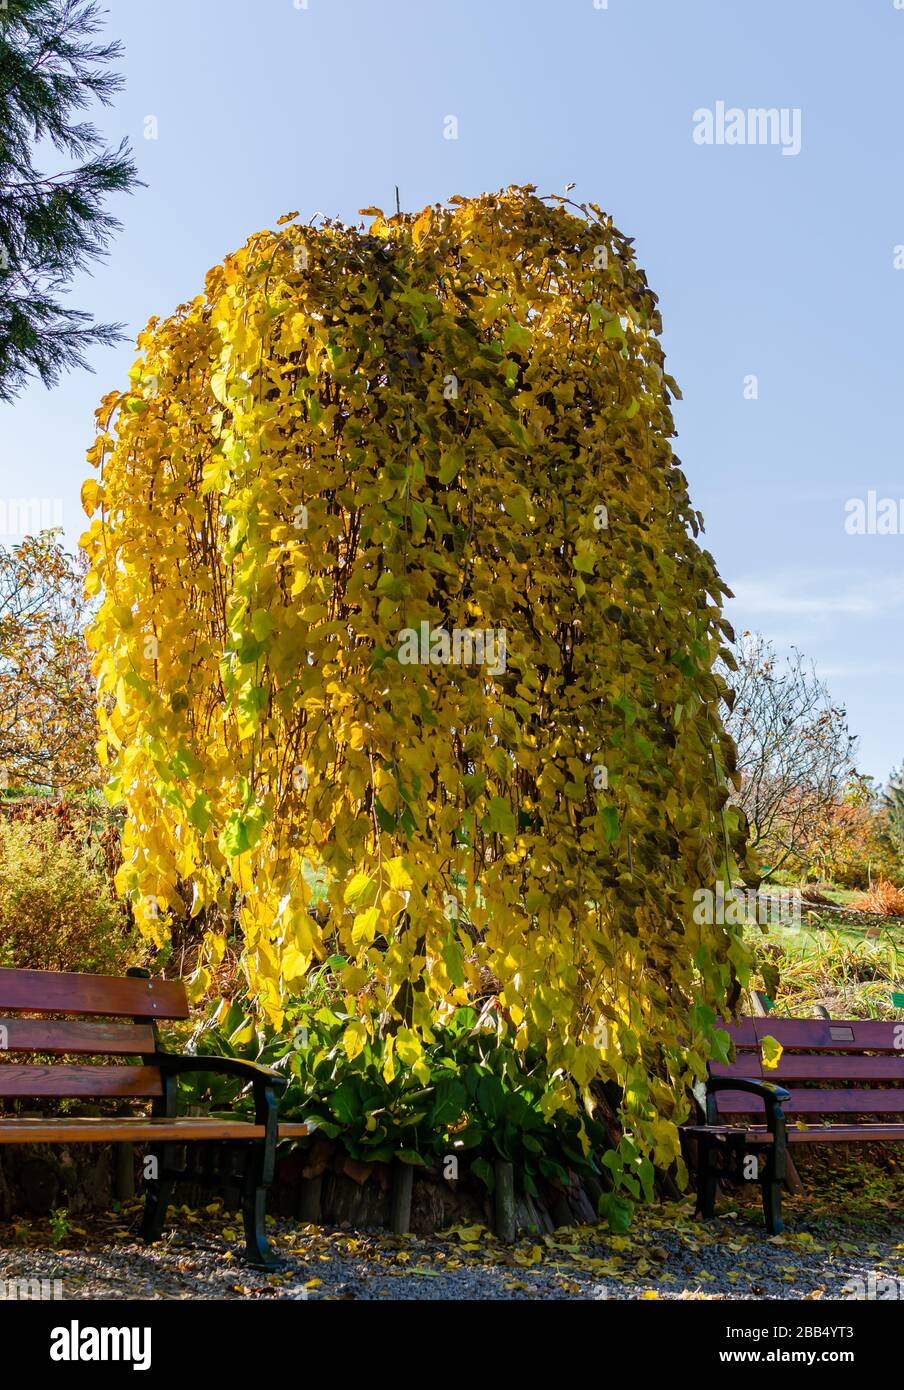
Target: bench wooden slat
column 799, row 1066
column 59, row 1037
column 817, row 1034
column 856, row 1101
column 742, row 1033
column 44, row 991
column 135, row 1129
column 52, row 1079
column 813, row 1134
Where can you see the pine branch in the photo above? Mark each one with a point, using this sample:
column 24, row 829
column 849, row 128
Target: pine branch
column 53, row 225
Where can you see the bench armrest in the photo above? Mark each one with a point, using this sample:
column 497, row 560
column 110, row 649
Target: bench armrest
column 175, row 1062
column 773, row 1097
column 768, row 1091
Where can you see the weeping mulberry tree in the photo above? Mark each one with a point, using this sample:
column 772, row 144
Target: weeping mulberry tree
column 401, row 593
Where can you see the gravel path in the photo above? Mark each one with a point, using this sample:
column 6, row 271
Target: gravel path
column 666, row 1255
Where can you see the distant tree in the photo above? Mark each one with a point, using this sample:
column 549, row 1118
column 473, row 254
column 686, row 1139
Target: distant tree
column 849, row 843
column 52, row 224
column 48, row 726
column 795, row 753
column 893, row 809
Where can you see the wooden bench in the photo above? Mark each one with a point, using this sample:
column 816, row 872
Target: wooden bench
column 250, row 1146
column 837, row 1082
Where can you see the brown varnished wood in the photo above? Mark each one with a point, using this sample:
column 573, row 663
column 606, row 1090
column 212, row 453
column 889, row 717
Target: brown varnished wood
column 135, row 1129
column 46, row 991
column 60, row 1080
column 59, row 1037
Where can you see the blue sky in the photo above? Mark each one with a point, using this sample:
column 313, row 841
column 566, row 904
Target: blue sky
column 770, row 265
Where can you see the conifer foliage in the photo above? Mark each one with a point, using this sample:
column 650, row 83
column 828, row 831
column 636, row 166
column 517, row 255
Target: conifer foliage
column 53, row 221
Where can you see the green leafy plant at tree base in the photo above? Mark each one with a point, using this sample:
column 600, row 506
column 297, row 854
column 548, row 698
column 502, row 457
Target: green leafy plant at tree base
column 469, row 1094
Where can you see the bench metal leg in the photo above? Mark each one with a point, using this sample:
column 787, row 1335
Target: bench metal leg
column 160, row 1188
column 254, row 1215
column 772, row 1183
column 772, row 1206
column 707, row 1180
column 258, row 1177
column 775, row 1172
column 254, row 1208
column 158, row 1196
column 156, row 1205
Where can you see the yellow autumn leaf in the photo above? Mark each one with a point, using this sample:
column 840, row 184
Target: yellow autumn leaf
column 389, row 1068
column 364, row 927
column 397, row 874
column 360, row 887
column 90, row 496
column 354, row 1039
column 408, row 1046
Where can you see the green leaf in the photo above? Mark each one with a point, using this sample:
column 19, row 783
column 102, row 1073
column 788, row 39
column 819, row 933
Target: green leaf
column 484, row 1172
column 199, row 812
column 454, row 962
column 610, row 823
column 451, row 466
column 242, row 831
column 262, row 624
column 491, row 1097
column 474, row 784
column 251, row 703
column 183, row 764
column 617, row 1211
column 499, row 819
column 516, row 336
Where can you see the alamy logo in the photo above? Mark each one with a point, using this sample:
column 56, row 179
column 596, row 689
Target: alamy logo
column 424, row 646
column 740, row 905
column 872, row 1287
column 77, row 1343
column 756, row 126
column 30, row 1290
column 26, row 516
column 877, row 516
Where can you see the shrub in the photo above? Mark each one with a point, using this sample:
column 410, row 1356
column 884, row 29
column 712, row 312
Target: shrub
column 883, row 896
column 57, row 908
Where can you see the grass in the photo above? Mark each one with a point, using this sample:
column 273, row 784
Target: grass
column 852, row 970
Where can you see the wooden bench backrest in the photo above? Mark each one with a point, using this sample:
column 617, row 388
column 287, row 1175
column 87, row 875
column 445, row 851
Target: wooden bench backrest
column 141, row 1001
column 826, row 1064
